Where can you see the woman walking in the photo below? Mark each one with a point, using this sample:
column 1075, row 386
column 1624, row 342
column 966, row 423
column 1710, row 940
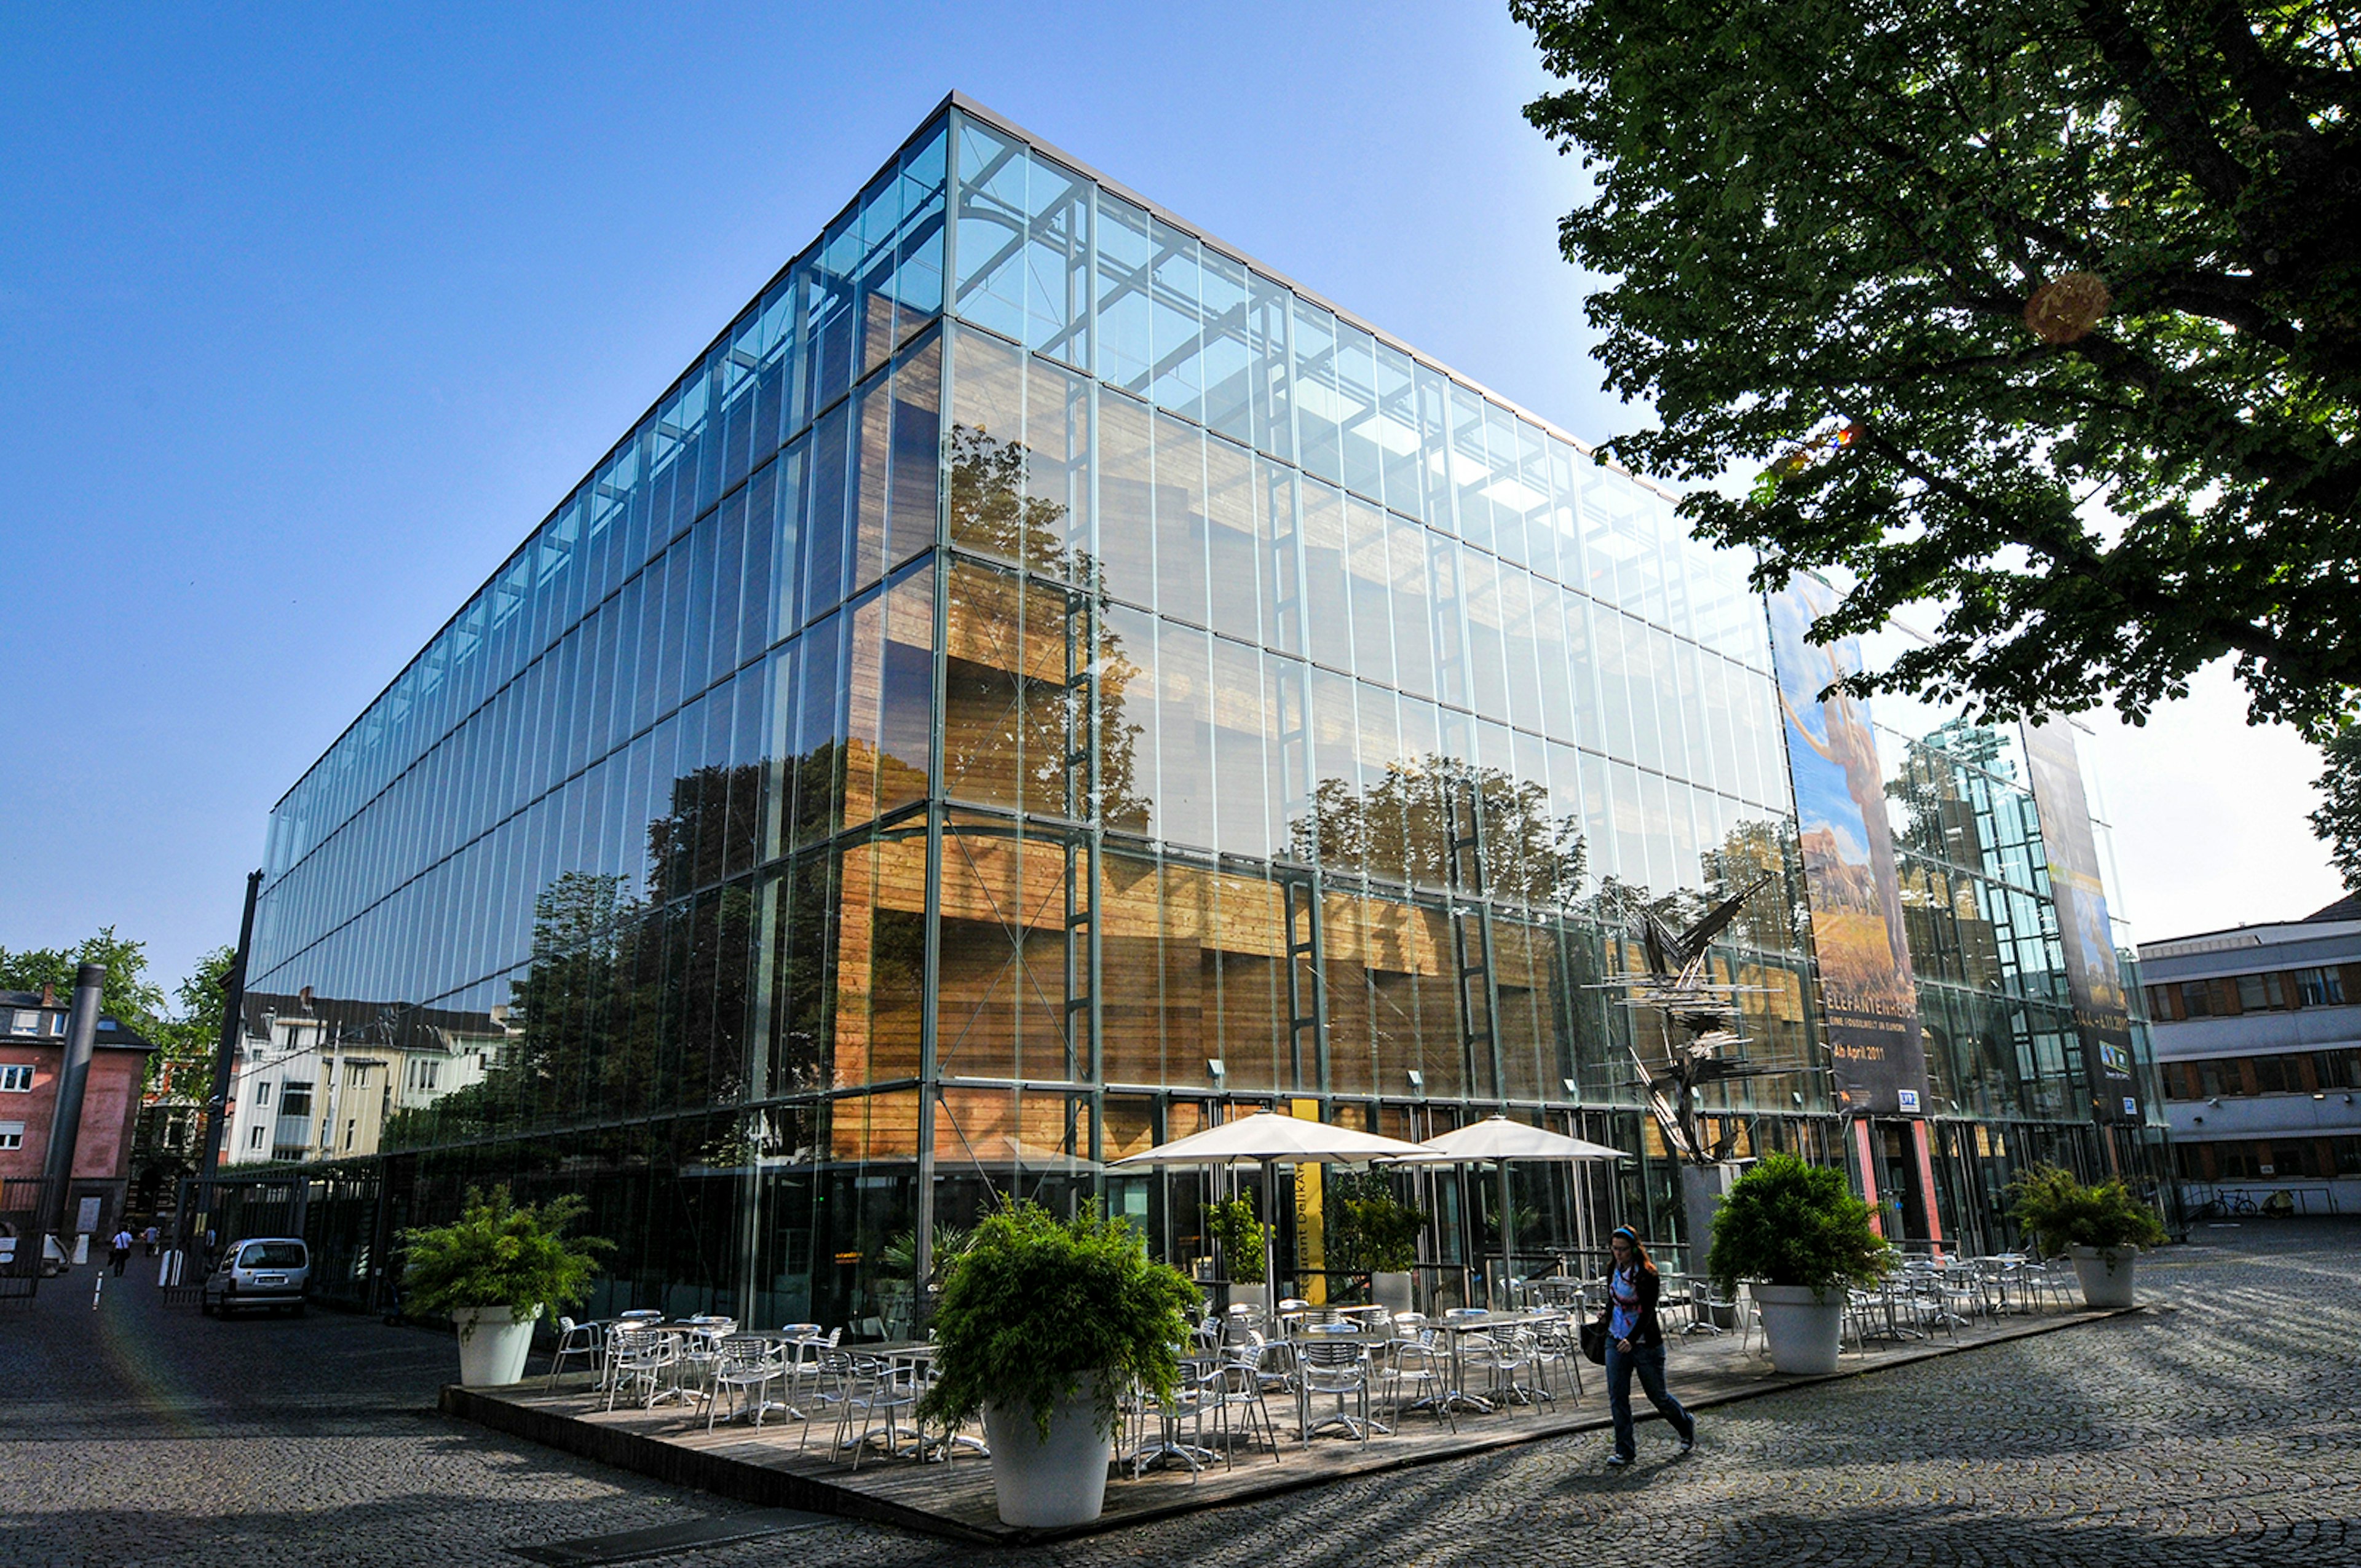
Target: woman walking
column 1635, row 1342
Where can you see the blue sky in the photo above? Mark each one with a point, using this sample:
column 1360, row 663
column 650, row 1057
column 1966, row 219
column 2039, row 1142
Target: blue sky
column 307, row 315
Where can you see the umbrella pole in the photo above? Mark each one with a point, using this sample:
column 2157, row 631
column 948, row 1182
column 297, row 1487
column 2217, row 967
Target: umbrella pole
column 1271, row 1241
column 1508, row 1230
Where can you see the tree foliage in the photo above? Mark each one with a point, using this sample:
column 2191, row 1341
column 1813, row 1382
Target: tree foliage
column 2057, row 1210
column 188, row 1041
column 500, row 1252
column 2338, row 821
column 1787, row 1221
column 1038, row 1305
column 1369, row 1227
column 129, row 997
column 1242, row 1238
column 2042, row 315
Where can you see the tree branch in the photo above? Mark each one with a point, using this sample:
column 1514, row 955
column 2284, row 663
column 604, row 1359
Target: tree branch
column 2264, row 87
column 2072, row 553
column 2179, row 122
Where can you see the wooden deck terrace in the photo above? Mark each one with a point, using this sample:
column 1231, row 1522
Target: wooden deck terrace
column 765, row 1466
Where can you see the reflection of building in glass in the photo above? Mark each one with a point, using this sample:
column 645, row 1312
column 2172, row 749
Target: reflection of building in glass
column 315, row 1078
column 1039, row 681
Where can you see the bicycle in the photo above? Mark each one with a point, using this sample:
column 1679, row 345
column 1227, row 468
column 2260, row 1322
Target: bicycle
column 2222, row 1205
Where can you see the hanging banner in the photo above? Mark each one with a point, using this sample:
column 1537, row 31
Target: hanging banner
column 1311, row 1220
column 1868, row 997
column 2093, row 975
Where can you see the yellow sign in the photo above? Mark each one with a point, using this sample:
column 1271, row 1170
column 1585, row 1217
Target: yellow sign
column 1310, row 1249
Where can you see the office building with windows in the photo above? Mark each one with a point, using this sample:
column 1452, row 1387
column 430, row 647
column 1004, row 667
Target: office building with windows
column 2259, row 1043
column 1041, row 680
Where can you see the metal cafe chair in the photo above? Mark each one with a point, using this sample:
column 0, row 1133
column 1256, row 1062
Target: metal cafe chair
column 1244, row 1407
column 1332, row 1362
column 1157, row 1424
column 1415, row 1371
column 881, row 1387
column 701, row 1352
column 835, row 1377
column 744, row 1368
column 587, row 1340
column 639, row 1359
column 1556, row 1346
column 803, row 1345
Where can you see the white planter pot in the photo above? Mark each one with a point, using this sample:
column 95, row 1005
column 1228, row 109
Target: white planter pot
column 1803, row 1329
column 1061, row 1481
column 2105, row 1274
column 492, row 1346
column 1391, row 1291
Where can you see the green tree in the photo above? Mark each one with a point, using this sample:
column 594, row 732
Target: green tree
column 129, row 997
column 184, row 1063
column 2338, row 821
column 2045, row 315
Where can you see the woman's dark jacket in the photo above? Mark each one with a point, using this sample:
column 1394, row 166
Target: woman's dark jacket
column 1646, row 1330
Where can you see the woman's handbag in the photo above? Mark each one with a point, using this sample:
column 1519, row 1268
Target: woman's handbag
column 1594, row 1342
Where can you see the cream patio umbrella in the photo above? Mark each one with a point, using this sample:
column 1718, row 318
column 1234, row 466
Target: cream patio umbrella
column 1272, row 1139
column 1499, row 1140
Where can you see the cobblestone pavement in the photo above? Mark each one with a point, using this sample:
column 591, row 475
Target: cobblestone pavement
column 2224, row 1425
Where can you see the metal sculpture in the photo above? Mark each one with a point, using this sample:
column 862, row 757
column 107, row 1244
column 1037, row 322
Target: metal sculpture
column 1700, row 1026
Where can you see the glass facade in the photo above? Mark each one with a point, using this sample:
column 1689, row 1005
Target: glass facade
column 1040, row 681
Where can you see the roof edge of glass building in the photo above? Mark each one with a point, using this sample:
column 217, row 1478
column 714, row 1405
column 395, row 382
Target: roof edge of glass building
column 962, row 101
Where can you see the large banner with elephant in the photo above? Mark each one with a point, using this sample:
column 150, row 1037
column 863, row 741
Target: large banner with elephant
column 1868, row 995
column 2093, row 974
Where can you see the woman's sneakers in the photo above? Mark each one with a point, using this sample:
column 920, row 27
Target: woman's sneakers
column 1617, row 1461
column 1689, row 1443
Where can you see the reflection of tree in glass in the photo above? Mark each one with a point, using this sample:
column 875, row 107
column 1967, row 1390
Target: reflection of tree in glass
column 1773, row 920
column 714, row 826
column 1400, row 827
column 626, row 1005
column 578, row 954
column 991, row 511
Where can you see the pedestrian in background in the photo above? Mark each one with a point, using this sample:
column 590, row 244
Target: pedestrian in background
column 1635, row 1342
column 120, row 1249
column 153, row 1236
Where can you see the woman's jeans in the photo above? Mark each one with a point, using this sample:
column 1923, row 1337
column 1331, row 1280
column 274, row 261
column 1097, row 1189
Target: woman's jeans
column 1648, row 1360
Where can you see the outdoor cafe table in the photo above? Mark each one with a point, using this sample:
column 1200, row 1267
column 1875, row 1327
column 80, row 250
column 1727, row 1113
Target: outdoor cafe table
column 917, row 1356
column 683, row 1331
column 797, row 1344
column 1459, row 1328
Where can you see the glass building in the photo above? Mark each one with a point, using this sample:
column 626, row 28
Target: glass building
column 1040, row 681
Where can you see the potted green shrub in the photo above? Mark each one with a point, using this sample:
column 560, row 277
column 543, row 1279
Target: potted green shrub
column 1371, row 1230
column 2102, row 1228
column 1243, row 1241
column 1798, row 1234
column 493, row 1271
column 1043, row 1324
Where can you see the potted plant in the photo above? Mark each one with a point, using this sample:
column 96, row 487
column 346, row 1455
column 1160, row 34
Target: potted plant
column 2102, row 1228
column 1243, row 1240
column 1797, row 1233
column 493, row 1271
column 1371, row 1230
column 1043, row 1324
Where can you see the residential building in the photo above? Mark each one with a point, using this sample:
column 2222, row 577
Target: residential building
column 32, row 1056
